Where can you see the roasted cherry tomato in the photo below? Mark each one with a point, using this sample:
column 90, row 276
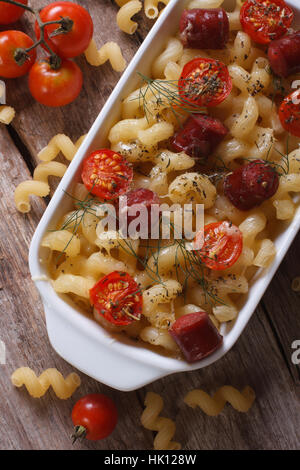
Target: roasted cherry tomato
column 266, row 20
column 55, row 87
column 250, row 185
column 106, row 174
column 196, row 336
column 10, row 43
column 66, row 43
column 94, row 416
column 289, row 113
column 117, row 298
column 220, row 245
column 204, row 82
column 11, row 13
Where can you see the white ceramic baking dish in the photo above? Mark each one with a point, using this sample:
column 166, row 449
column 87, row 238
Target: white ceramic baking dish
column 124, row 365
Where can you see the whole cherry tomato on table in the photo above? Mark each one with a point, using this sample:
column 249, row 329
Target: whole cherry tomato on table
column 204, row 82
column 12, row 43
column 71, row 38
column 94, row 416
column 11, row 13
column 266, row 20
column 55, row 87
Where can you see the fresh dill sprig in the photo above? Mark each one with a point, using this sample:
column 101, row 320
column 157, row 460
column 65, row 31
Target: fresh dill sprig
column 164, row 92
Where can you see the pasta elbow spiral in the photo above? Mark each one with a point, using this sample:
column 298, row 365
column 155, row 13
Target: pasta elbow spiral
column 212, row 406
column 37, row 386
column 165, row 427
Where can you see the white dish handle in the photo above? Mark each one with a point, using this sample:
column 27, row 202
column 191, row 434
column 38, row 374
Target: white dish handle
column 111, row 368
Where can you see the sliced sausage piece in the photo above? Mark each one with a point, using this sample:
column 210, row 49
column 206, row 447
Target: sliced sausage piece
column 199, row 137
column 250, row 185
column 204, row 28
column 284, row 55
column 196, row 336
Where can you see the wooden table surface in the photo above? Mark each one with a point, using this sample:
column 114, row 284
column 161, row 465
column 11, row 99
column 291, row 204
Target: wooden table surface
column 261, row 358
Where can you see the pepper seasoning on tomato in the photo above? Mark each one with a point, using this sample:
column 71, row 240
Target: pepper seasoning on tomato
column 289, row 113
column 219, row 245
column 266, row 20
column 106, row 174
column 204, row 82
column 117, row 298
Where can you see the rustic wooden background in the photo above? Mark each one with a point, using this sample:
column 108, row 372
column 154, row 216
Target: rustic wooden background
column 261, row 358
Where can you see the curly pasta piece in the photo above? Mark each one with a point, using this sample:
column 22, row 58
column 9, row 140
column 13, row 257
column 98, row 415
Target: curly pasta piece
column 7, row 113
column 63, row 241
column 69, row 283
column 166, row 162
column 26, row 189
column 110, row 51
column 193, row 187
column 165, row 427
column 172, row 52
column 150, row 8
column 46, row 169
column 60, row 143
column 160, row 294
column 125, row 14
column 212, row 406
column 38, row 386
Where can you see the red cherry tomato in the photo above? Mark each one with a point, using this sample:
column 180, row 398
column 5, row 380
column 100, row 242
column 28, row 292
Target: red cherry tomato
column 106, row 174
column 204, row 82
column 250, row 185
column 67, row 44
column 222, row 244
column 55, row 87
column 117, row 298
column 95, row 417
column 10, row 42
column 11, row 13
column 266, row 20
column 289, row 113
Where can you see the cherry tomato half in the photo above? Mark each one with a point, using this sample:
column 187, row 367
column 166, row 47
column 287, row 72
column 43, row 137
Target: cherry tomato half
column 67, row 44
column 106, row 174
column 11, row 13
column 10, row 42
column 266, row 20
column 55, row 87
column 204, row 82
column 222, row 244
column 117, row 298
column 95, row 417
column 289, row 113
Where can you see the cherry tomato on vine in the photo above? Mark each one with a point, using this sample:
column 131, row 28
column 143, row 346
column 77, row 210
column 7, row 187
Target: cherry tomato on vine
column 10, row 44
column 289, row 113
column 76, row 40
column 94, row 416
column 266, row 20
column 11, row 13
column 117, row 298
column 204, row 82
column 106, row 174
column 220, row 245
column 55, row 87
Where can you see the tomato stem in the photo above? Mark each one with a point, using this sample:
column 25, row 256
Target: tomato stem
column 65, row 25
column 79, row 433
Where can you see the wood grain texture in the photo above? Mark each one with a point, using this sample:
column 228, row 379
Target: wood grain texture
column 261, row 358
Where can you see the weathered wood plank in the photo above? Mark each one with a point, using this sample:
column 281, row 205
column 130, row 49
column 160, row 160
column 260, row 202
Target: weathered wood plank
column 31, row 423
